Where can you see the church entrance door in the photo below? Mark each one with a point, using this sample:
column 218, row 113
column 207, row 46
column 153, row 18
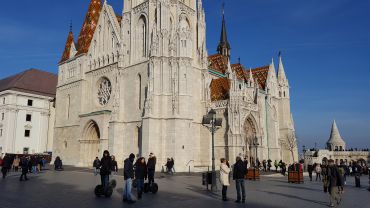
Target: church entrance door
column 90, row 144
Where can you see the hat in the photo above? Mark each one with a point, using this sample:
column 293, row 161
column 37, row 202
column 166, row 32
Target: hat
column 132, row 156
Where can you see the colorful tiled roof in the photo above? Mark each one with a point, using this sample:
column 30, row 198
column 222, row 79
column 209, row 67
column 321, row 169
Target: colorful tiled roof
column 89, row 26
column 32, row 81
column 220, row 89
column 67, row 49
column 218, row 63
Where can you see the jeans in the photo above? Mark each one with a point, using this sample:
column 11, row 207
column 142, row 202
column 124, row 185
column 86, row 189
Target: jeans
column 318, row 175
column 127, row 195
column 240, row 185
column 96, row 171
column 140, row 187
column 34, row 169
column 105, row 181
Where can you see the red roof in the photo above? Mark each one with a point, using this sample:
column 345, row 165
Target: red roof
column 32, row 81
column 89, row 26
column 67, row 49
column 220, row 87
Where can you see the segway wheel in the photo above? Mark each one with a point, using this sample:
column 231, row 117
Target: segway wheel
column 109, row 192
column 154, row 188
column 98, row 190
column 146, row 188
column 113, row 184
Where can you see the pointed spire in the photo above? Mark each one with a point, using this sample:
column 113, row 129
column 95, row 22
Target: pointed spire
column 67, row 49
column 335, row 140
column 229, row 70
column 250, row 79
column 272, row 70
column 224, row 45
column 281, row 72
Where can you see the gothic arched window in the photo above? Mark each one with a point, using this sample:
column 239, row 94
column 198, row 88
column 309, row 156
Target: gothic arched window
column 142, row 31
column 139, row 90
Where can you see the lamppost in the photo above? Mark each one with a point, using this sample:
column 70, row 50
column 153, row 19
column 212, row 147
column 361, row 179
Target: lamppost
column 212, row 123
column 255, row 143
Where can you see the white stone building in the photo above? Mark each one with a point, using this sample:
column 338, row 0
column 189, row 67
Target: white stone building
column 336, row 150
column 142, row 82
column 27, row 112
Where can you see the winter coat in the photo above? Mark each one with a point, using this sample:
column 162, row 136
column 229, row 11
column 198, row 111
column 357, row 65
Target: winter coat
column 224, row 174
column 114, row 166
column 128, row 169
column 151, row 163
column 7, row 162
column 141, row 171
column 239, row 171
column 96, row 163
column 334, row 177
column 16, row 162
column 106, row 165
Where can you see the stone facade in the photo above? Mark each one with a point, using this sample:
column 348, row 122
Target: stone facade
column 141, row 83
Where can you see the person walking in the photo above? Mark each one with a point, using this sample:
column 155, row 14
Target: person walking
column 239, row 173
column 318, row 171
column 105, row 169
column 224, row 177
column 128, row 174
column 335, row 184
column 16, row 162
column 152, row 161
column 114, row 165
column 310, row 170
column 24, row 165
column 276, row 165
column 140, row 175
column 6, row 165
column 269, row 165
column 96, row 166
column 264, row 164
column 34, row 164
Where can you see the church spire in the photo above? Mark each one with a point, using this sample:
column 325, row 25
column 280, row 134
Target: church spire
column 224, row 45
column 281, row 72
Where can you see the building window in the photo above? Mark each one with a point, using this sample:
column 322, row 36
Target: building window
column 27, row 133
column 1, row 132
column 28, row 117
column 30, row 102
column 139, row 91
column 2, row 116
column 25, row 150
column 3, row 100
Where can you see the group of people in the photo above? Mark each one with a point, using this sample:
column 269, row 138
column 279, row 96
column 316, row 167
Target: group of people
column 170, row 166
column 27, row 164
column 136, row 172
column 239, row 172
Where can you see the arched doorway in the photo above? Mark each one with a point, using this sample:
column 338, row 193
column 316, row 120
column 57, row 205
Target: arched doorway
column 90, row 144
column 250, row 140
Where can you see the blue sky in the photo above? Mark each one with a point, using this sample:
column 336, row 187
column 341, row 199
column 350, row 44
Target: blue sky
column 325, row 46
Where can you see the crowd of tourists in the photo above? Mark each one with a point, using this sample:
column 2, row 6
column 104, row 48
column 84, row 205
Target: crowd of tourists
column 25, row 164
column 133, row 172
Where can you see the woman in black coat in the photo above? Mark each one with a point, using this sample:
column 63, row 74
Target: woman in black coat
column 140, row 175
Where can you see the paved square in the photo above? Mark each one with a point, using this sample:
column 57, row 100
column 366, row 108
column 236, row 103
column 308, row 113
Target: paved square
column 74, row 188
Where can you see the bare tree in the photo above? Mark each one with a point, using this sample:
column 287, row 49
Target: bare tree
column 291, row 143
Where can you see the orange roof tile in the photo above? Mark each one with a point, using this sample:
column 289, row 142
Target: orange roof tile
column 218, row 63
column 220, row 89
column 67, row 49
column 89, row 26
column 239, row 71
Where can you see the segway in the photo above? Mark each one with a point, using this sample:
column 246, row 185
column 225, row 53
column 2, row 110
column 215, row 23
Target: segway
column 152, row 187
column 99, row 189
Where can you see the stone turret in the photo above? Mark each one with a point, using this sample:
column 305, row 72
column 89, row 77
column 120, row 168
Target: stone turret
column 335, row 142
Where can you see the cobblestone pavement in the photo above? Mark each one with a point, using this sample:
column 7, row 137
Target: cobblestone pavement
column 74, row 188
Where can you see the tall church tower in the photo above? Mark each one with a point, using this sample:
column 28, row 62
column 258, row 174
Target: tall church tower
column 223, row 47
column 164, row 44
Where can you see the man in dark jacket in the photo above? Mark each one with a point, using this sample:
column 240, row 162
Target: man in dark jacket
column 6, row 165
column 335, row 184
column 151, row 167
column 105, row 169
column 310, row 170
column 128, row 174
column 24, row 165
column 96, row 165
column 239, row 173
